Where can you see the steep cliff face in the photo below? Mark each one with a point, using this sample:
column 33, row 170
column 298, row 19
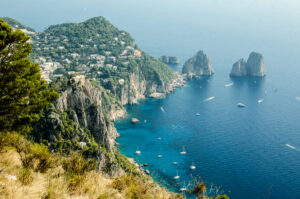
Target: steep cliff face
column 82, row 119
column 253, row 67
column 141, row 88
column 239, row 68
column 89, row 110
column 198, row 65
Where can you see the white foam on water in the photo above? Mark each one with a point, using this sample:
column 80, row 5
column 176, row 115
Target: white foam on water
column 228, row 85
column 209, row 99
column 290, row 146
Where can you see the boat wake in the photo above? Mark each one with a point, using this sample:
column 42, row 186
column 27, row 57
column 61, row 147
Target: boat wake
column 291, row 147
column 209, row 99
column 228, row 85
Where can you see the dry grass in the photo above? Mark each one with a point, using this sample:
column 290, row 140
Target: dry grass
column 55, row 184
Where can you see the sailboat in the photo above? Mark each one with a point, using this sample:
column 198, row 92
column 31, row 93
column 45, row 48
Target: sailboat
column 193, row 167
column 183, row 152
column 177, row 176
column 138, row 152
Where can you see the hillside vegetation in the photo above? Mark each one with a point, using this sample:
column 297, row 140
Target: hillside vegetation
column 58, row 140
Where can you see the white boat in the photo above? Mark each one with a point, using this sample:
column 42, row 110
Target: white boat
column 241, row 105
column 197, row 114
column 209, row 99
column 137, row 152
column 159, row 156
column 260, row 101
column 182, row 189
column 177, row 176
column 193, row 167
column 175, row 163
column 183, row 152
column 229, row 84
column 298, row 98
column 162, row 109
column 158, row 138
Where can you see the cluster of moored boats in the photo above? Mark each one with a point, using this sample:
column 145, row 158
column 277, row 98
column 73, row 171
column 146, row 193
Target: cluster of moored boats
column 176, row 177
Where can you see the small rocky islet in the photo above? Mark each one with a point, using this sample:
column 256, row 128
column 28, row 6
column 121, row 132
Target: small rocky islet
column 253, row 67
column 169, row 60
column 198, row 65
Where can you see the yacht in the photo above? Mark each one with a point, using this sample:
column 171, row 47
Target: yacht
column 182, row 189
column 183, row 152
column 177, row 176
column 241, row 105
column 137, row 152
column 193, row 167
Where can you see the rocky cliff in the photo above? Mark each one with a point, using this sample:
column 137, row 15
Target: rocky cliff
column 82, row 119
column 239, row 68
column 253, row 67
column 198, row 65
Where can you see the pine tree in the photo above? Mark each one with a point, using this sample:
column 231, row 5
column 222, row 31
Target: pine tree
column 23, row 93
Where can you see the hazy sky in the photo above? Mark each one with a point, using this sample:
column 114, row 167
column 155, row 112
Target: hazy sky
column 179, row 27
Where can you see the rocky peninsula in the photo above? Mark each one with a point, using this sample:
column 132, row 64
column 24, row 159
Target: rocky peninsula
column 253, row 67
column 198, row 65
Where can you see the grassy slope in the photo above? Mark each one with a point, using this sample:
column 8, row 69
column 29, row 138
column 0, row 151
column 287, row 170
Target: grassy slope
column 61, row 181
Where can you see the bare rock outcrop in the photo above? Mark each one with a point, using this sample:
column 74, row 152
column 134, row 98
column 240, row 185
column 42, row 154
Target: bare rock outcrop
column 253, row 67
column 198, row 65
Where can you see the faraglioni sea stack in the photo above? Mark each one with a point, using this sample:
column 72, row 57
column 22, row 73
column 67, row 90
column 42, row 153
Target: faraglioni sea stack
column 198, row 65
column 253, row 67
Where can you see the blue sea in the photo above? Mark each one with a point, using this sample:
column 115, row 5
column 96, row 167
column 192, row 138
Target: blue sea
column 250, row 152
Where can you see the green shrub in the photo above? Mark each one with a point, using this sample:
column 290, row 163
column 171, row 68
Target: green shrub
column 78, row 165
column 45, row 159
column 223, row 197
column 25, row 176
column 199, row 188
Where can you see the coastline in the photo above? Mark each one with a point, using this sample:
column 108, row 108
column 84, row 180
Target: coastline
column 118, row 115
